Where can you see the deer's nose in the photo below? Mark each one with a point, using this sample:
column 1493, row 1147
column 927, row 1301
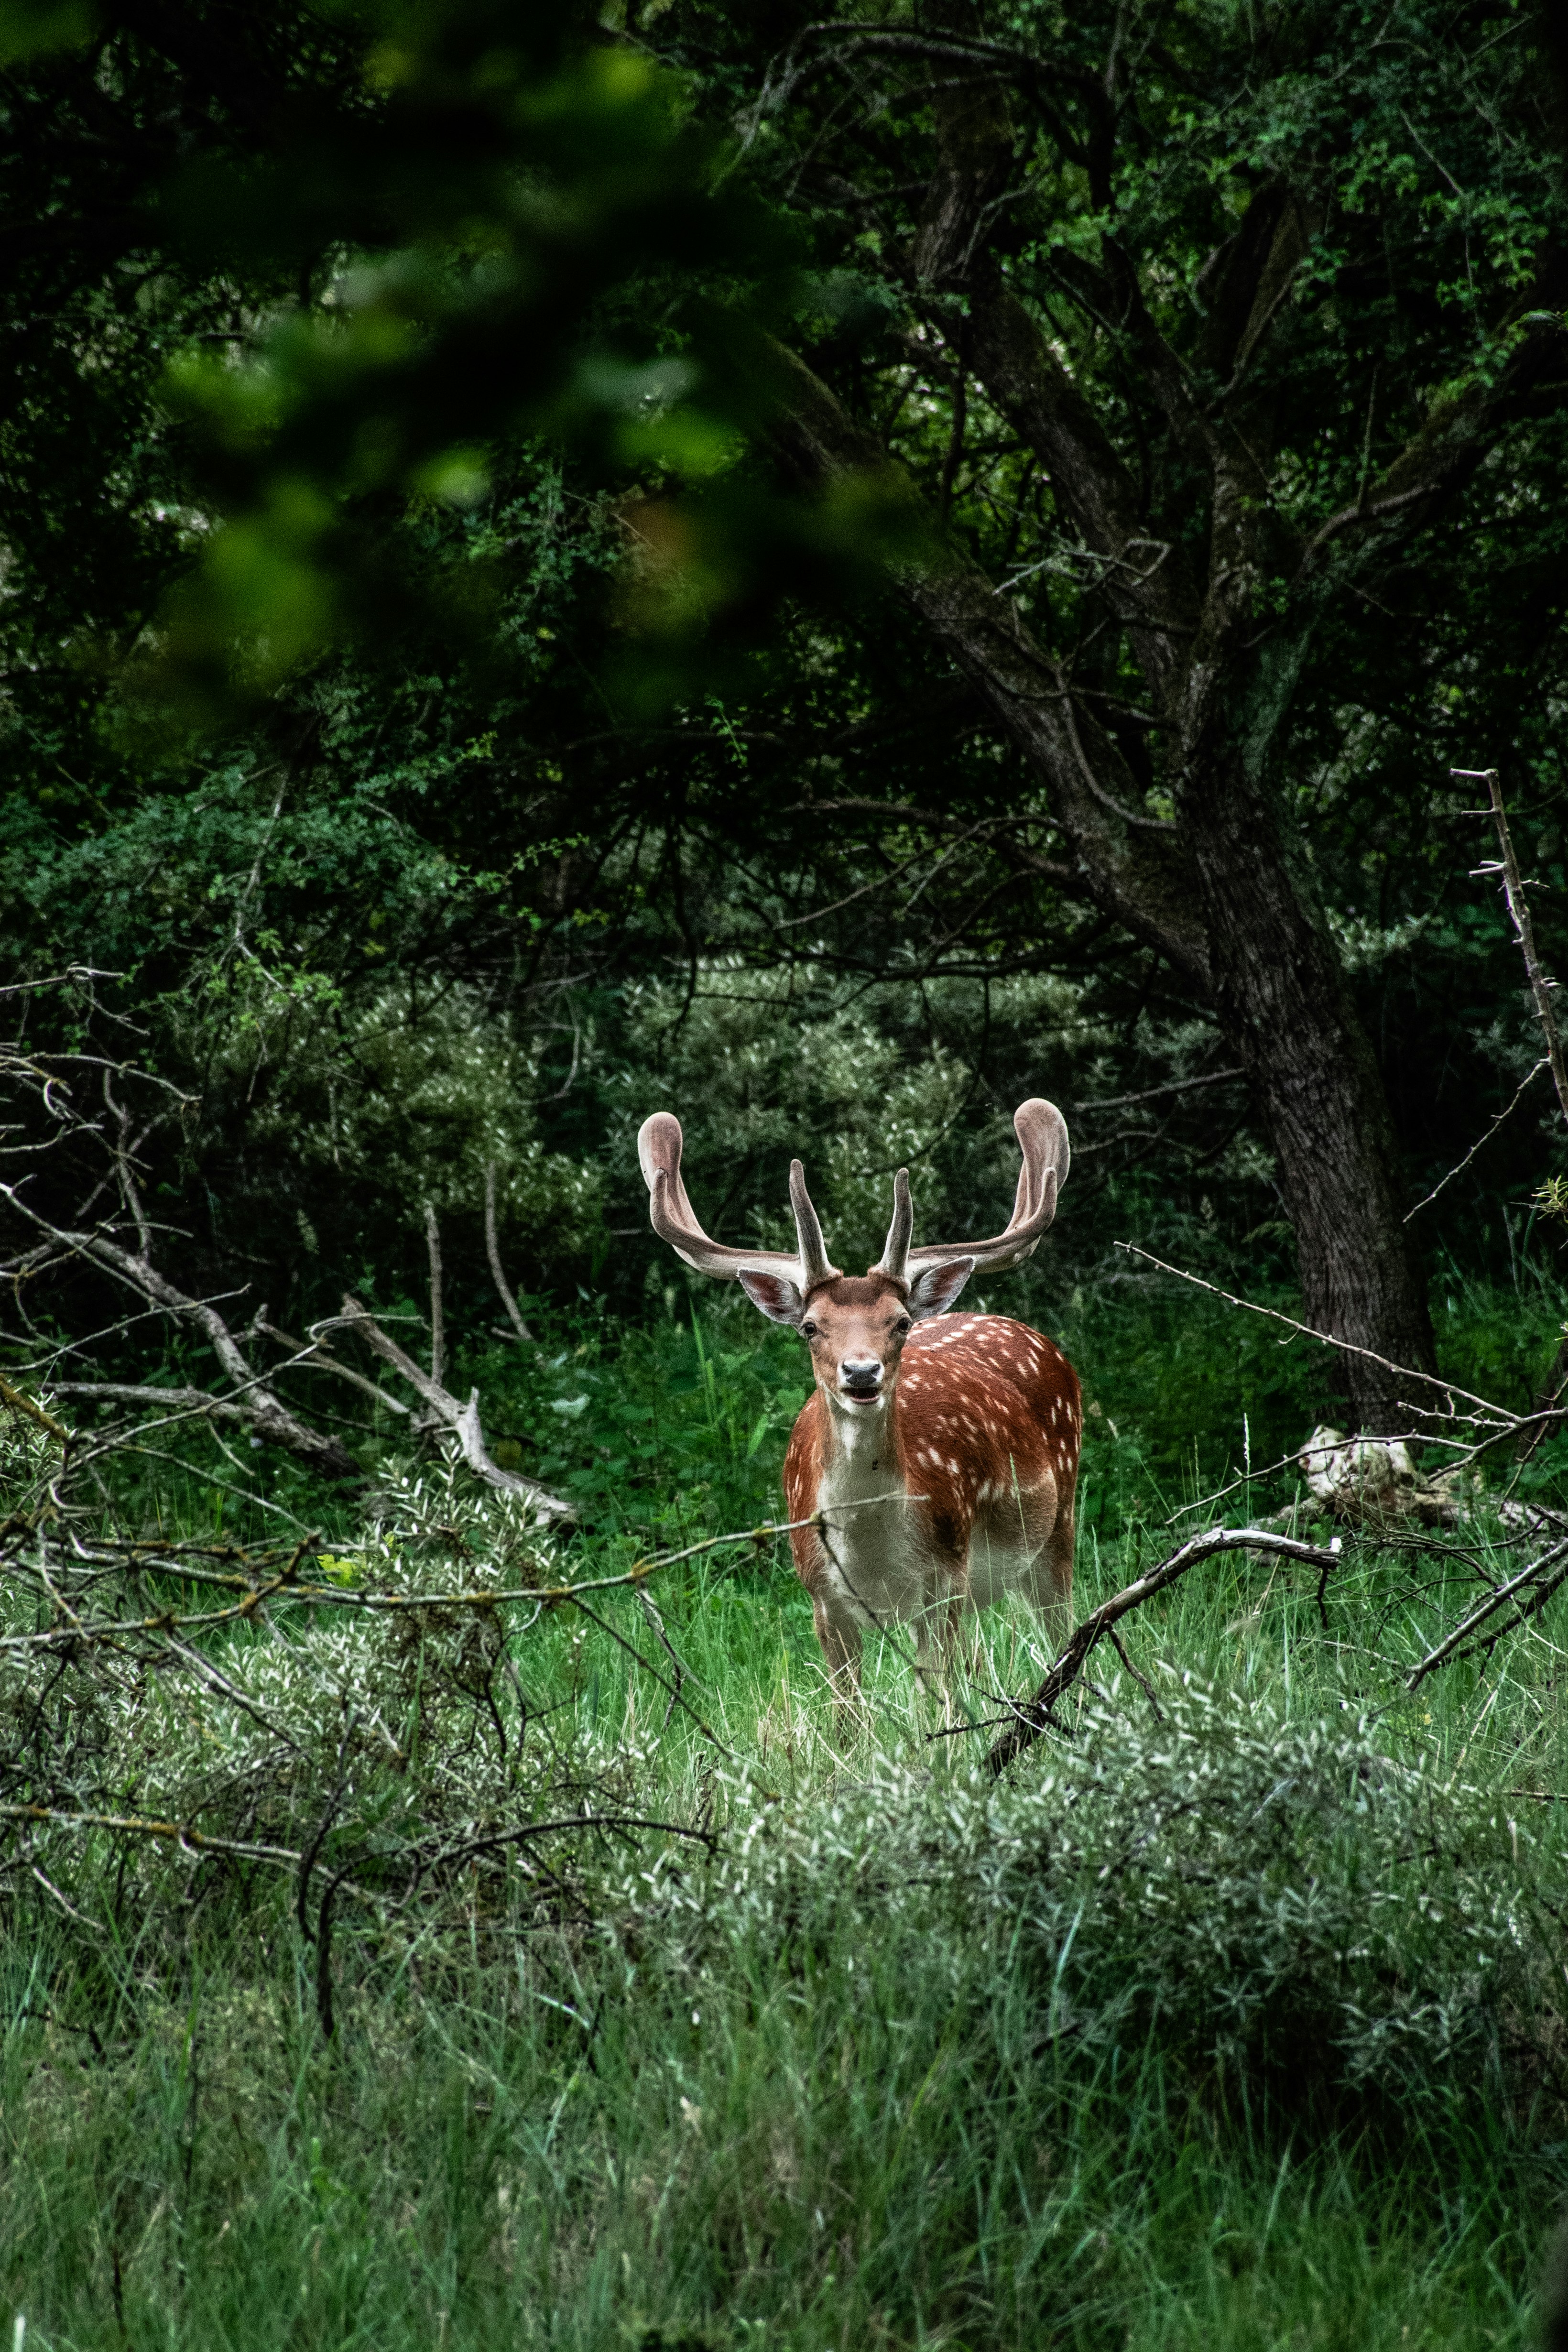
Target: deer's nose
column 861, row 1375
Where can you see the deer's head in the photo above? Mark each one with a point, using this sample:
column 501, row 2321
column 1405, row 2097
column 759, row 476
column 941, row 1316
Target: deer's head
column 856, row 1327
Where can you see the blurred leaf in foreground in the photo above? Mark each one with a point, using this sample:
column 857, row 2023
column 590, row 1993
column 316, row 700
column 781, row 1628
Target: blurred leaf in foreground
column 513, row 231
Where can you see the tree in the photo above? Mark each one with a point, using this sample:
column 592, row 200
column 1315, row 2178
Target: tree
column 1180, row 433
column 1263, row 303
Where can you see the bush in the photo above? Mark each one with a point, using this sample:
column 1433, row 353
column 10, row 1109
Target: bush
column 1274, row 1906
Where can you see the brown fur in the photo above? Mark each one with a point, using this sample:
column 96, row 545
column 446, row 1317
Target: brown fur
column 983, row 1424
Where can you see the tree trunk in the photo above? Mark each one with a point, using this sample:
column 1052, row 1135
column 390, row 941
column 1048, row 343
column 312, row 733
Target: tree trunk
column 1281, row 998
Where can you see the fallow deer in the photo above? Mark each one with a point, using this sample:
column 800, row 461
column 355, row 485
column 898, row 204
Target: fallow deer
column 935, row 1462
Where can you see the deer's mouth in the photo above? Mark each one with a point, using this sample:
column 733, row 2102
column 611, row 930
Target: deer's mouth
column 860, row 1396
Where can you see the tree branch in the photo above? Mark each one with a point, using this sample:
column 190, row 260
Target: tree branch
column 1034, row 1717
column 492, row 1250
column 437, row 1321
column 257, row 1402
column 1144, row 883
column 462, row 1420
column 1541, row 988
column 1433, row 466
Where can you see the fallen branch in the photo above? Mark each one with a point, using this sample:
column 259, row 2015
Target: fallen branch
column 314, row 1355
column 1035, row 1716
column 462, row 1420
column 253, row 1400
column 33, row 1412
column 171, row 1400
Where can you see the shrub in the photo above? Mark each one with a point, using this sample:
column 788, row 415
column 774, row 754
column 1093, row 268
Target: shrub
column 1275, row 1905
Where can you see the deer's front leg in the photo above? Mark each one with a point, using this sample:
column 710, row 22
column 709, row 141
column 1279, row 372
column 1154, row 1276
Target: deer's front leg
column 837, row 1633
column 936, row 1640
column 839, row 1636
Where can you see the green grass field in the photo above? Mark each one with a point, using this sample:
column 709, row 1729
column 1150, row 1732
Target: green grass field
column 1238, row 2023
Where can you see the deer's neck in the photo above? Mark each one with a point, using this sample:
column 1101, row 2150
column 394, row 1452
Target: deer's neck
column 863, row 1452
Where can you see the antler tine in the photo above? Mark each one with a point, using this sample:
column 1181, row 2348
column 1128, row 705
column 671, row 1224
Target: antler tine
column 659, row 1143
column 674, row 1221
column 895, row 1258
column 1041, row 1134
column 815, row 1266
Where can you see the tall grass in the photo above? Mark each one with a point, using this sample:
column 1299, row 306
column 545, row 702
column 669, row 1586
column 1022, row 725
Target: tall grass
column 823, row 2089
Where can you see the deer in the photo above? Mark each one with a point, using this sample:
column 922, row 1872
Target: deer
column 934, row 1466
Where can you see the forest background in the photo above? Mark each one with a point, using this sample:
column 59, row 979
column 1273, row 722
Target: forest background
column 828, row 576
column 581, row 681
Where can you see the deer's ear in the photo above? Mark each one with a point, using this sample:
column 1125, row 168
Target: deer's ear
column 934, row 1291
column 777, row 1296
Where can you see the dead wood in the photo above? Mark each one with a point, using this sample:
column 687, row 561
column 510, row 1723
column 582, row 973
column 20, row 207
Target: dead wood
column 1035, row 1716
column 461, row 1420
column 251, row 1398
column 492, row 1250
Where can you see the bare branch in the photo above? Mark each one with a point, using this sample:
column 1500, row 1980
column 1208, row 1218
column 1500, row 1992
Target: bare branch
column 181, row 1834
column 1482, row 1142
column 267, row 1412
column 462, row 1420
column 492, row 1250
column 168, row 1400
column 20, row 1403
column 314, row 1355
column 1504, row 1418
column 1553, row 1560
column 1153, row 1094
column 1035, row 1716
column 438, row 1325
column 1541, row 988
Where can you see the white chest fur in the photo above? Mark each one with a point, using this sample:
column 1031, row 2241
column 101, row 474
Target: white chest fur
column 875, row 1534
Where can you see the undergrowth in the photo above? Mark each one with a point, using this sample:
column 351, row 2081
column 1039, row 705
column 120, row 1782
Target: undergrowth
column 1233, row 2018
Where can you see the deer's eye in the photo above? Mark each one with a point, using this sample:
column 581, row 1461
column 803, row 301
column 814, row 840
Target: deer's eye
column 808, row 1330
column 902, row 1324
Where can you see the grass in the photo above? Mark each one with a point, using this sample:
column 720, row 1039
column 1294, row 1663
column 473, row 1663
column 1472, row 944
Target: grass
column 803, row 2096
column 797, row 2169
